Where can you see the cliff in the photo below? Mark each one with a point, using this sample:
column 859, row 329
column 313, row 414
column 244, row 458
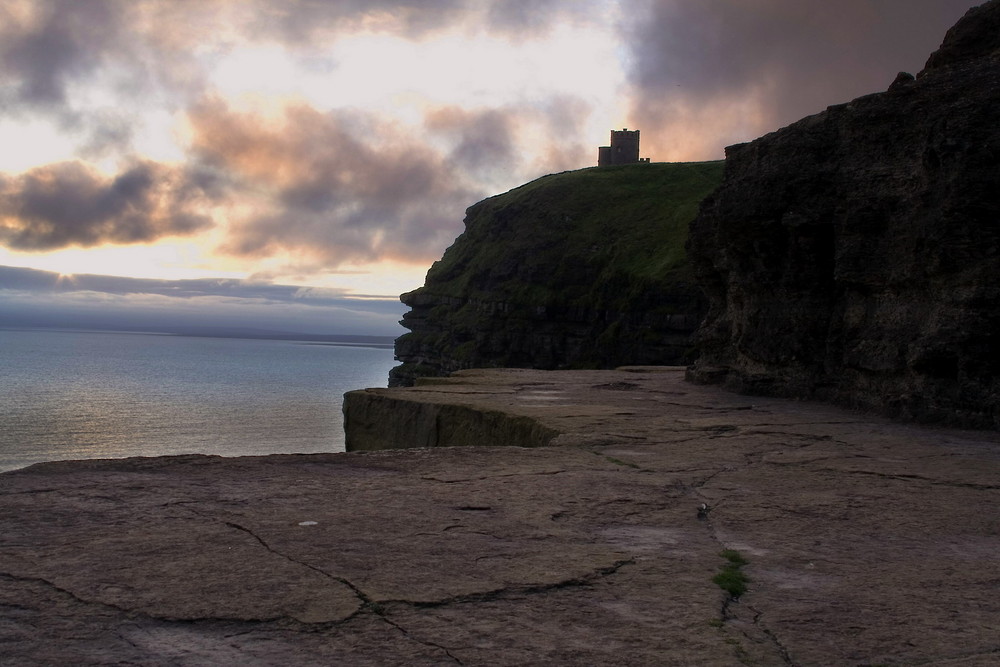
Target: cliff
column 855, row 255
column 578, row 269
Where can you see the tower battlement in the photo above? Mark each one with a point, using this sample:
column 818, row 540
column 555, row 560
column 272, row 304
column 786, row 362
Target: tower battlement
column 624, row 149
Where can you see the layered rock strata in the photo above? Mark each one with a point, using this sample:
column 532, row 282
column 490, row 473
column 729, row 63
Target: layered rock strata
column 855, row 255
column 581, row 269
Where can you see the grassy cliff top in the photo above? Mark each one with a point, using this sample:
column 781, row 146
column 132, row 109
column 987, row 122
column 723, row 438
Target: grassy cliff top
column 558, row 236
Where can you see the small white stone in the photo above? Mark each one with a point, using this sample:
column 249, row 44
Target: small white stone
column 307, row 523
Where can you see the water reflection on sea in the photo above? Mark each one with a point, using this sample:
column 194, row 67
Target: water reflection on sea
column 72, row 395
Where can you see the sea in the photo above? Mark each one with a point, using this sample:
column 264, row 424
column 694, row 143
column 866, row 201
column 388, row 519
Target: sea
column 84, row 395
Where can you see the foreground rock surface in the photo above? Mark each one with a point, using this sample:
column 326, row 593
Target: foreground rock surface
column 868, row 542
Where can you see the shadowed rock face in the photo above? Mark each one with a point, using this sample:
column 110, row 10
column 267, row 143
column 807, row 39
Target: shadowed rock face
column 855, row 255
column 581, row 269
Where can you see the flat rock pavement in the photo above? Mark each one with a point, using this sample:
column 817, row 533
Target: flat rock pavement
column 866, row 541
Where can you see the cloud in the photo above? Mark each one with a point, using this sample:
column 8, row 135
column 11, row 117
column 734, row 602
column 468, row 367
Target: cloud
column 340, row 186
column 483, row 140
column 15, row 278
column 40, row 298
column 55, row 54
column 72, row 204
column 561, row 119
column 96, row 67
column 709, row 73
column 44, row 49
column 304, row 21
column 318, row 188
column 49, row 44
column 147, row 47
column 496, row 145
column 520, row 18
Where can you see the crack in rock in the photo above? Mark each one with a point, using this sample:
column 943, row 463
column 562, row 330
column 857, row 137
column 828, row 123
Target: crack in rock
column 810, row 437
column 705, row 480
column 916, row 478
column 124, row 636
column 65, row 591
column 707, row 408
column 815, row 423
column 367, row 602
column 494, row 557
column 965, row 655
column 726, row 613
column 781, row 648
column 627, row 436
column 753, row 631
column 426, row 642
column 131, row 613
column 31, row 492
column 485, row 477
column 514, row 591
column 377, row 607
column 818, row 459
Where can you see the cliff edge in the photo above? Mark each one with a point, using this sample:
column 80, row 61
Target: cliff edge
column 855, row 255
column 583, row 269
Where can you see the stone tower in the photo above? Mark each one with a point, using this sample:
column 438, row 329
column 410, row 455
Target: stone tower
column 624, row 149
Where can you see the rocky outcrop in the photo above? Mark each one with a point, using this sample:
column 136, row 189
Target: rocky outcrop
column 855, row 255
column 375, row 420
column 579, row 269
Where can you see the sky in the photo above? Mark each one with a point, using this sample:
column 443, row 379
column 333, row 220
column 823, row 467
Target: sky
column 297, row 164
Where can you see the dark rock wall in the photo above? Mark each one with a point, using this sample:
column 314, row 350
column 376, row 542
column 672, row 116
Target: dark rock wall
column 855, row 255
column 583, row 269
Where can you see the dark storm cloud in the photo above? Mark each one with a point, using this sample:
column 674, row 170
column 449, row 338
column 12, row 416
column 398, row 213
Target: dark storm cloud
column 297, row 20
column 486, row 144
column 521, row 17
column 696, row 60
column 48, row 45
column 39, row 58
column 52, row 50
column 71, row 204
column 337, row 186
column 304, row 21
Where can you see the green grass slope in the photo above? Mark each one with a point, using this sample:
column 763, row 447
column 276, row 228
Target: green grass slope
column 599, row 223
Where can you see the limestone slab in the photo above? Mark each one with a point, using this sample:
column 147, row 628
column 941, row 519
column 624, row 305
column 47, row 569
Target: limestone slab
column 866, row 541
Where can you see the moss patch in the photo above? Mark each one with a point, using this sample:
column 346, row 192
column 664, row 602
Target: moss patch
column 732, row 579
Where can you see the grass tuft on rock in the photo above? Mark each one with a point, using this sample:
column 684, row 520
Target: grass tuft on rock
column 732, row 579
